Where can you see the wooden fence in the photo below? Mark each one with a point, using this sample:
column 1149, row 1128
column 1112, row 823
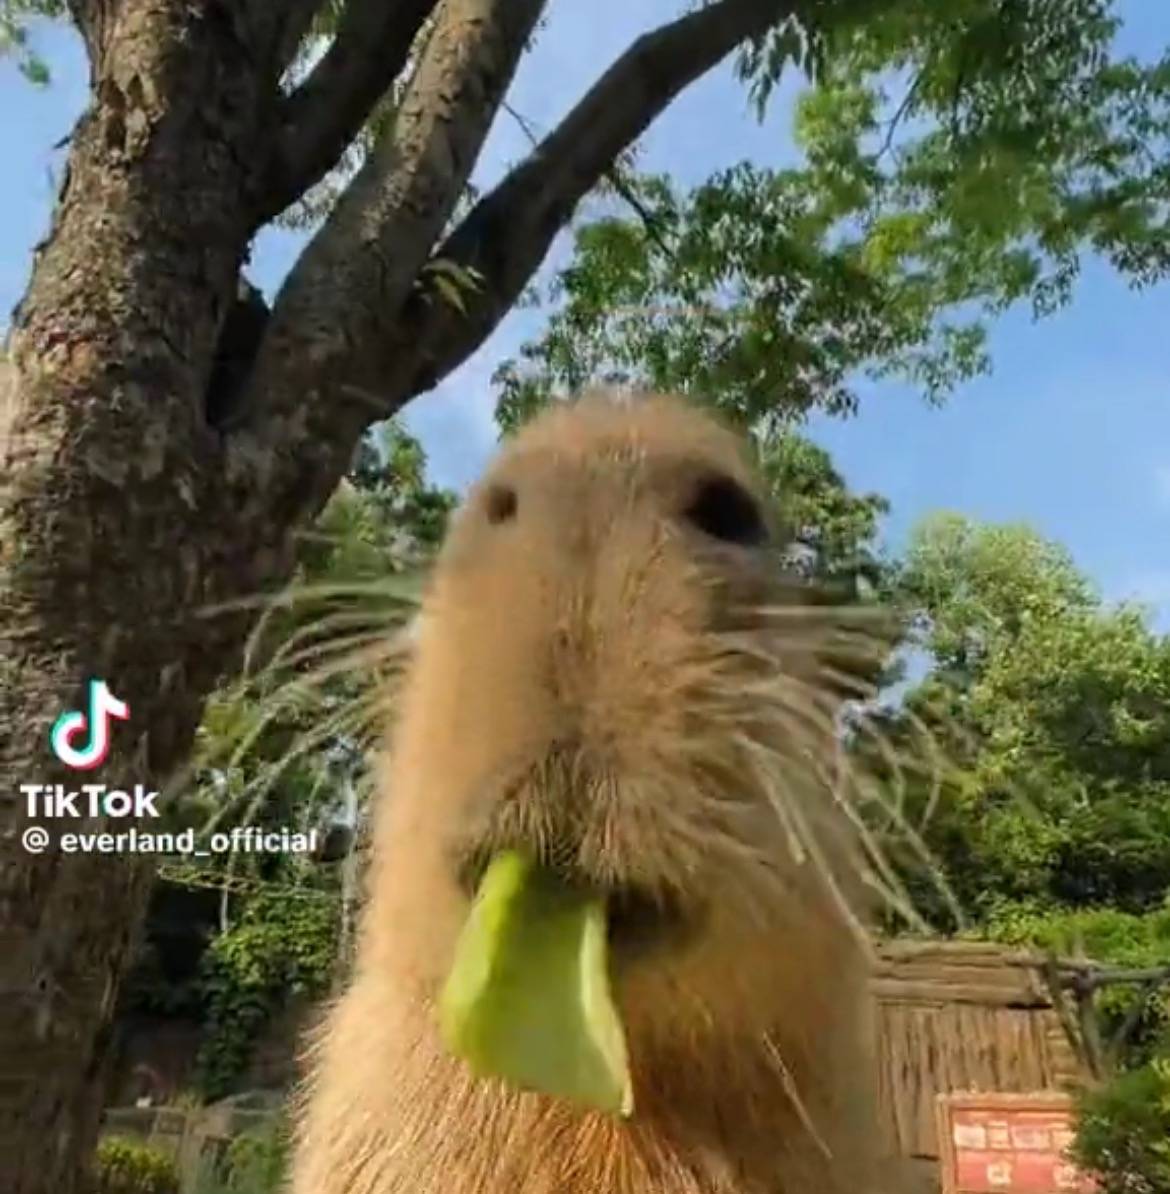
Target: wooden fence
column 962, row 1017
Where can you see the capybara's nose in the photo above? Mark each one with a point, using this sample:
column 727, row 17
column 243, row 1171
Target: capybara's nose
column 502, row 504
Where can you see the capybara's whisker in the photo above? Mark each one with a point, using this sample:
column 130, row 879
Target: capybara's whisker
column 402, row 589
column 804, row 844
column 352, row 717
column 805, row 709
column 866, row 790
column 790, row 1089
column 358, row 659
column 884, row 870
column 933, row 768
column 397, row 602
column 386, row 635
column 365, row 651
column 324, row 634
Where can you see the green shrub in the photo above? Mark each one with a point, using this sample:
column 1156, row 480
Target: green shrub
column 125, row 1166
column 1123, row 1131
column 254, row 1163
column 278, row 948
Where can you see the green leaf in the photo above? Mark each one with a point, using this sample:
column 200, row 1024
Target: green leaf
column 528, row 997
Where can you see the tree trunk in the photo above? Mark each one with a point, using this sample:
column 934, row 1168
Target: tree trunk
column 112, row 531
column 161, row 440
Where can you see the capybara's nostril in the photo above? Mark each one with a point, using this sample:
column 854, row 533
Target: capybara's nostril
column 501, row 504
column 722, row 509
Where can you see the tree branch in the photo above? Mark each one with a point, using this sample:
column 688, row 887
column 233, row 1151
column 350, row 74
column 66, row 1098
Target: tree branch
column 330, row 326
column 904, row 107
column 649, row 221
column 613, row 176
column 90, row 17
column 325, row 113
column 1089, row 1021
column 294, row 20
column 507, row 234
column 353, row 321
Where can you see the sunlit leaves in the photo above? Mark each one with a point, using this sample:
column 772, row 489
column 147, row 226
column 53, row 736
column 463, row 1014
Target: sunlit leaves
column 801, row 41
column 974, row 584
column 838, row 529
column 1011, row 132
column 14, row 39
column 1056, row 710
column 742, row 292
column 282, row 946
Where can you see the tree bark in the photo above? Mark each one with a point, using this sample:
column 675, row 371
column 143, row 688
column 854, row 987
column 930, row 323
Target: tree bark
column 327, row 110
column 162, row 436
column 112, row 528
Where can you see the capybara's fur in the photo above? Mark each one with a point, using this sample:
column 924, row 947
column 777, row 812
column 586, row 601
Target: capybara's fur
column 610, row 670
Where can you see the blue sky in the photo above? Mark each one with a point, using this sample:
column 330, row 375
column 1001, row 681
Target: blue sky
column 1071, row 431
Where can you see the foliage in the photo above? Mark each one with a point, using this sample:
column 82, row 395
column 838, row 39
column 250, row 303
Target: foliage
column 255, row 1164
column 740, row 293
column 257, row 1161
column 973, row 586
column 151, row 989
column 836, row 529
column 391, row 469
column 1125, row 940
column 125, row 1166
column 1123, row 1131
column 14, row 40
column 282, row 946
column 987, row 143
column 954, row 159
column 1050, row 716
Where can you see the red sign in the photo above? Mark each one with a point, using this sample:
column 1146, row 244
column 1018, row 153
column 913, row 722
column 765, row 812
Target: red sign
column 1008, row 1144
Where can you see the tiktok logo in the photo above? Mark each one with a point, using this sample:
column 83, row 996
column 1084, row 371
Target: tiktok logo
column 103, row 706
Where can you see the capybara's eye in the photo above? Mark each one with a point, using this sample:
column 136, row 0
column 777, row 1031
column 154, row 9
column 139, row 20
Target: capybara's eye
column 501, row 504
column 724, row 510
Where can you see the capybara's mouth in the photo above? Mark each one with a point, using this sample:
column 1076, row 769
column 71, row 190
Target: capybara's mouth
column 638, row 919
